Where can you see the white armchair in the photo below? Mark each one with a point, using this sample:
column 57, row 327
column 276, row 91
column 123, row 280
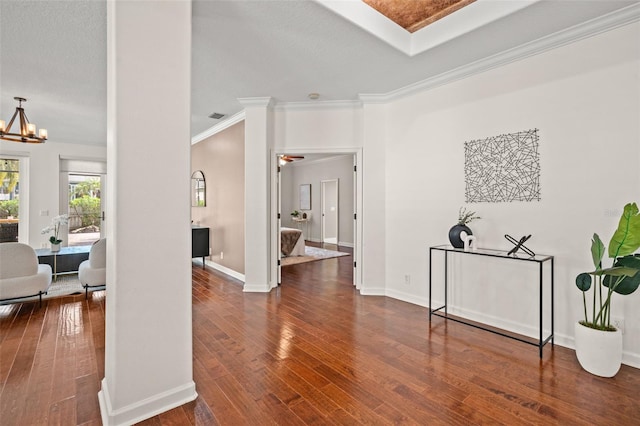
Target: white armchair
column 93, row 271
column 20, row 274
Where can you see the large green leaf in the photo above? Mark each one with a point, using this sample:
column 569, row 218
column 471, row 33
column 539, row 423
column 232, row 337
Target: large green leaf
column 626, row 239
column 583, row 281
column 597, row 250
column 631, row 282
column 615, row 271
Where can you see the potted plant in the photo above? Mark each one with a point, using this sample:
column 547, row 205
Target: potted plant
column 598, row 344
column 464, row 217
column 295, row 214
column 56, row 222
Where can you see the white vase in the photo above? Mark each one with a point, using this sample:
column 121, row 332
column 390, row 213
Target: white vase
column 55, row 248
column 599, row 352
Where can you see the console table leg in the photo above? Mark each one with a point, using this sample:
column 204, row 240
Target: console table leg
column 540, row 304
column 446, row 289
column 553, row 333
column 430, row 274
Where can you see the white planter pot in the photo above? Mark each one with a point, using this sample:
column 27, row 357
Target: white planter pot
column 599, row 352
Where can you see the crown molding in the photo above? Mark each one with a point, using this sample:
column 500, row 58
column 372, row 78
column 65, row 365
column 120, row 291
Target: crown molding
column 578, row 32
column 317, row 105
column 282, row 106
column 225, row 124
column 265, row 101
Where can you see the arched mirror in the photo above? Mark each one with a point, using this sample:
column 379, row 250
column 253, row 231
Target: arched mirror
column 198, row 189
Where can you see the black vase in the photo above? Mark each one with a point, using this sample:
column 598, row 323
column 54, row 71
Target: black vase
column 454, row 235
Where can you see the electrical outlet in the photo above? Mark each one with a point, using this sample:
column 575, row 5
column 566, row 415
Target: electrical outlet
column 221, row 255
column 618, row 323
column 407, row 279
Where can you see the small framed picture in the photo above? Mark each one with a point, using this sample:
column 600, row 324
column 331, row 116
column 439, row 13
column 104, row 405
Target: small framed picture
column 305, row 196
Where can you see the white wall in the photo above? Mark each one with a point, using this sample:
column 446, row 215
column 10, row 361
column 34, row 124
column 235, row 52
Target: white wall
column 44, row 180
column 221, row 158
column 326, row 128
column 295, row 174
column 584, row 99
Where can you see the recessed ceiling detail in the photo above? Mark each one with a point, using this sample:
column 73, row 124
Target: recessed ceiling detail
column 413, row 15
column 441, row 28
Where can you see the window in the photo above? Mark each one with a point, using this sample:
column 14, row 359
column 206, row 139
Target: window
column 9, row 199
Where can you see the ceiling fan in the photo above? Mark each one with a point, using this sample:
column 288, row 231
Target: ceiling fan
column 290, row 158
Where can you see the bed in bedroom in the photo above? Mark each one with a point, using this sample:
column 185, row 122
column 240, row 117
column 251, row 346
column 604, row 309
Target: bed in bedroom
column 291, row 242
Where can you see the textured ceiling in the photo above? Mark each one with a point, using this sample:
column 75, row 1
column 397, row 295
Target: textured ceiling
column 54, row 54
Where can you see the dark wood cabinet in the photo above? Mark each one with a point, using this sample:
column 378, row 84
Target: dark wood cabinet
column 199, row 242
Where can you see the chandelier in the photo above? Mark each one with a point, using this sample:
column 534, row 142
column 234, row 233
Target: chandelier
column 27, row 132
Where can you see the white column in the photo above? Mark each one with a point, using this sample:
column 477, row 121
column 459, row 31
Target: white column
column 258, row 142
column 373, row 268
column 148, row 353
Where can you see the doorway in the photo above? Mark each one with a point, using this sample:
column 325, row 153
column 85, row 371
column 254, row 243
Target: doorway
column 82, row 197
column 313, row 170
column 85, row 209
column 329, row 199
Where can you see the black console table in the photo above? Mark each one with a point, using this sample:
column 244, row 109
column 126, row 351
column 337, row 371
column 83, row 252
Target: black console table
column 539, row 259
column 199, row 242
column 65, row 261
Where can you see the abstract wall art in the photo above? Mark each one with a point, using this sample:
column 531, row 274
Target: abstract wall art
column 502, row 168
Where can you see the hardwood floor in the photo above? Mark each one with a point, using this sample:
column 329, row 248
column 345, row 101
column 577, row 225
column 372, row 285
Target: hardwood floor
column 52, row 361
column 310, row 352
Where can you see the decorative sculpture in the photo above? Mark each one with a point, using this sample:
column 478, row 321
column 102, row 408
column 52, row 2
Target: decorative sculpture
column 519, row 245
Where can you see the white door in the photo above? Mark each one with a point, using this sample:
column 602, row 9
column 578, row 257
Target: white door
column 279, row 197
column 329, row 196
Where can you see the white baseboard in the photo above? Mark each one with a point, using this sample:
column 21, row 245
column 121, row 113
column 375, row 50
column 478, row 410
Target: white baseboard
column 409, row 298
column 234, row 274
column 632, row 360
column 344, row 244
column 365, row 291
column 256, row 288
column 566, row 341
column 147, row 408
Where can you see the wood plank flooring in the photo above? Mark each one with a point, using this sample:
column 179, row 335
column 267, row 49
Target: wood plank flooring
column 312, row 351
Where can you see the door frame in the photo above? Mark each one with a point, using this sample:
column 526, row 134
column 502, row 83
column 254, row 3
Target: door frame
column 275, row 208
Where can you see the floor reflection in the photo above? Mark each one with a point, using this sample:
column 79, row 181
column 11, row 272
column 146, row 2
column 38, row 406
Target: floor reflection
column 71, row 322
